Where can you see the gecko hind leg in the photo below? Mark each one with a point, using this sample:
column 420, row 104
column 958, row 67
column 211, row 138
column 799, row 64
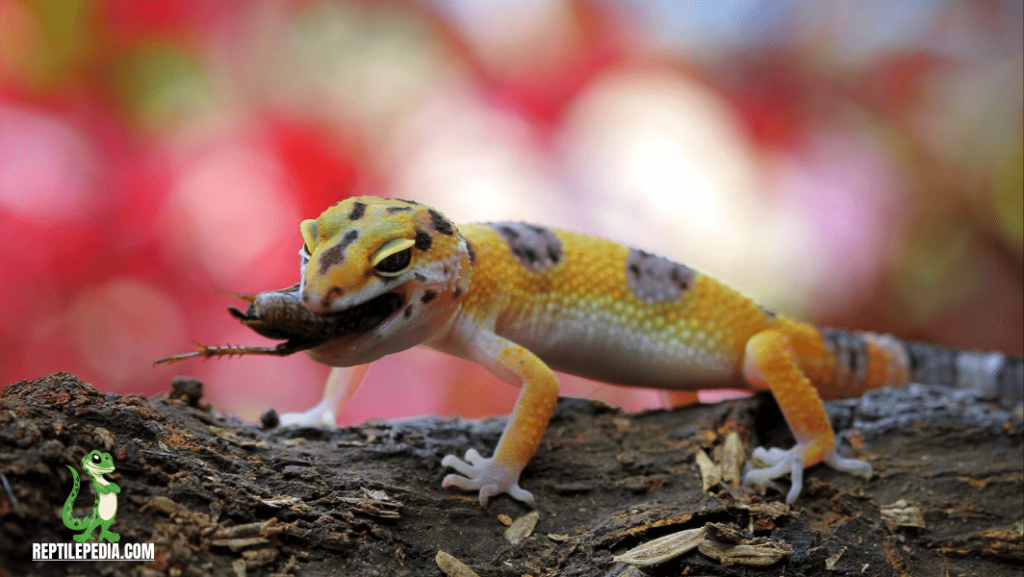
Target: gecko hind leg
column 770, row 363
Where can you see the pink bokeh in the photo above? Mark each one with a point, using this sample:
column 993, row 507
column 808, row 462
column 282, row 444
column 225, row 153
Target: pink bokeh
column 837, row 169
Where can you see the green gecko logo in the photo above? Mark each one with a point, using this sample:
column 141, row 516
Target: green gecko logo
column 95, row 464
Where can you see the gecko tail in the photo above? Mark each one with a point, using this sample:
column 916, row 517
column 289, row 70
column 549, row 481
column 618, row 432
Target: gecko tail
column 996, row 375
column 866, row 360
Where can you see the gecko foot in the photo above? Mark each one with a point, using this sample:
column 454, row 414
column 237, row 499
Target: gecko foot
column 322, row 414
column 781, row 462
column 490, row 477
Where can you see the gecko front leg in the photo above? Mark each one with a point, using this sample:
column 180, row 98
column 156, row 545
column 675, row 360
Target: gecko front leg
column 342, row 383
column 526, row 426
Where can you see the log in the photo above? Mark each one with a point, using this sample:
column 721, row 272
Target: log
column 217, row 496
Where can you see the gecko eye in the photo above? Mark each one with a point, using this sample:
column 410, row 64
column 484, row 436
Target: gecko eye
column 394, row 257
column 95, row 458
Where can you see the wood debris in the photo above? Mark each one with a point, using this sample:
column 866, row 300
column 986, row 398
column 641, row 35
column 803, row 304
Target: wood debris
column 522, row 527
column 902, row 514
column 663, row 548
column 452, row 567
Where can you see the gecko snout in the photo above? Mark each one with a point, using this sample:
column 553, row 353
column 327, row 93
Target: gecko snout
column 323, row 304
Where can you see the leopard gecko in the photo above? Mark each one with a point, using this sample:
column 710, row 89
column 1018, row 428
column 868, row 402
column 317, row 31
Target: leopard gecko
column 382, row 275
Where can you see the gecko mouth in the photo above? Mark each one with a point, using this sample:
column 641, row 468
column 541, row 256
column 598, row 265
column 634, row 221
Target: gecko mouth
column 366, row 316
column 281, row 315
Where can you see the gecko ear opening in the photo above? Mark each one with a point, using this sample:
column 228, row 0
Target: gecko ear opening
column 394, row 257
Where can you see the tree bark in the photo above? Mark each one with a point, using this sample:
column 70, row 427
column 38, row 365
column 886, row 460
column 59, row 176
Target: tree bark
column 220, row 497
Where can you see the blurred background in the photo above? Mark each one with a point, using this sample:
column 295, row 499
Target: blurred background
column 854, row 163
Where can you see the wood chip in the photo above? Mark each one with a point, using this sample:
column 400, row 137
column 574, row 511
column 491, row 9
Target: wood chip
column 386, row 508
column 377, row 494
column 724, row 533
column 522, row 527
column 832, row 560
column 663, row 548
column 452, row 567
column 759, row 552
column 733, row 456
column 710, row 473
column 902, row 514
column 772, row 509
column 281, row 501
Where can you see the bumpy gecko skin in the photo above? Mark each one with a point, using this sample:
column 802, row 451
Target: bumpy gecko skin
column 382, row 275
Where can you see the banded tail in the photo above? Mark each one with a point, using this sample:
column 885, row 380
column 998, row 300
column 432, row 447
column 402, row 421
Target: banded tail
column 995, row 375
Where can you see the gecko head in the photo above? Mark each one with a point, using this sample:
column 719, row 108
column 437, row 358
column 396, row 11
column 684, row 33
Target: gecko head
column 366, row 251
column 98, row 463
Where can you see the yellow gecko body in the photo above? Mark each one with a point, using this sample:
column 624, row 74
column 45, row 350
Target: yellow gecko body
column 522, row 300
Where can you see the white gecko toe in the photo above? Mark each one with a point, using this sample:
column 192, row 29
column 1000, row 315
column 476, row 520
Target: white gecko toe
column 485, row 475
column 791, row 462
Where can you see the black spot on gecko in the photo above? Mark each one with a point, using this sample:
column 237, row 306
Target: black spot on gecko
column 423, row 240
column 441, row 223
column 553, row 255
column 408, row 201
column 508, row 232
column 536, row 247
column 655, row 279
column 767, row 312
column 457, row 292
column 472, row 251
column 419, row 276
column 336, row 254
column 394, row 209
column 428, row 296
column 408, row 311
column 358, row 209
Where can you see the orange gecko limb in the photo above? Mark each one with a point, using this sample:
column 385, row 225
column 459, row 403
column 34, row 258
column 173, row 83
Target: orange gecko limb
column 770, row 363
column 533, row 409
column 524, row 430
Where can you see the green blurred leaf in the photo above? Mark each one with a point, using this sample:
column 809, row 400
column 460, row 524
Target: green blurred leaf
column 162, row 86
